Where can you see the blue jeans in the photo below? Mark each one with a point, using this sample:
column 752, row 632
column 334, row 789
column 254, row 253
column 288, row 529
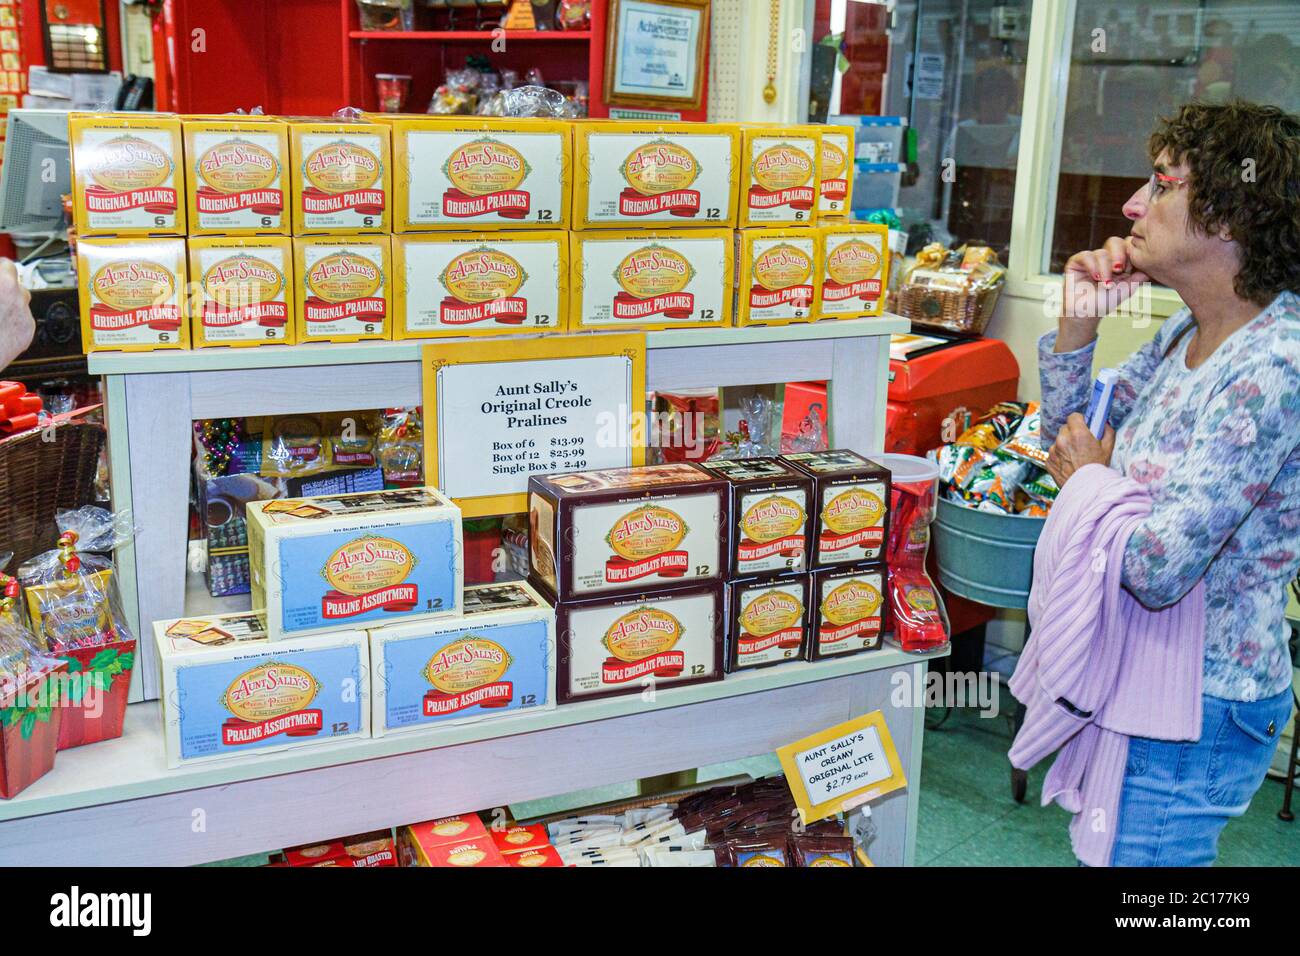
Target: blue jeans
column 1178, row 797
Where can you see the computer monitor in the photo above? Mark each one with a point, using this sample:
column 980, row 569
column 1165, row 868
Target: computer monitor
column 36, row 175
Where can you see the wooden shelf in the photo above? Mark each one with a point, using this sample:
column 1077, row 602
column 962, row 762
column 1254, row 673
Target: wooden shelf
column 470, row 36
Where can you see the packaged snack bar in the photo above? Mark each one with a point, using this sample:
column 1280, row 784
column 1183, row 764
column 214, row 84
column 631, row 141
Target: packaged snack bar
column 127, row 174
column 343, row 291
column 133, row 294
column 237, row 182
column 807, row 850
column 243, row 291
column 342, row 177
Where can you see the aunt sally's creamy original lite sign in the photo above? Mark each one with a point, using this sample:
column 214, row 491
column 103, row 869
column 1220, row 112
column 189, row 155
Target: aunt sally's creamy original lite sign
column 128, row 174
column 344, row 288
column 133, row 294
column 243, row 292
column 342, row 177
column 237, row 181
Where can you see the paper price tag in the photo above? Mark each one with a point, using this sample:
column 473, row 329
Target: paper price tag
column 842, row 767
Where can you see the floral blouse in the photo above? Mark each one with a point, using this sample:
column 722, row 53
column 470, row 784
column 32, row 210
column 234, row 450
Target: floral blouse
column 1218, row 448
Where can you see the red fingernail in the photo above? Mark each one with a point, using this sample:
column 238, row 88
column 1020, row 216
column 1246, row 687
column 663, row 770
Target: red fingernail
column 1118, row 267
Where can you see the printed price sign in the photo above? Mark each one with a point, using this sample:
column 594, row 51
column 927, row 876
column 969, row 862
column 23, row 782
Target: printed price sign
column 842, row 767
column 498, row 412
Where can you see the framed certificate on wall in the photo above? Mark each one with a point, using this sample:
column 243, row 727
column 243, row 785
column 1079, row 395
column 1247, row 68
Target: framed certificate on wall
column 655, row 53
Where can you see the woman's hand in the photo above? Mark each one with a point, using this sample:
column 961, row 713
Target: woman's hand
column 16, row 324
column 1096, row 283
column 1075, row 447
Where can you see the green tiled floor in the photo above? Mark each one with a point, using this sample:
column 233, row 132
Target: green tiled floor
column 969, row 819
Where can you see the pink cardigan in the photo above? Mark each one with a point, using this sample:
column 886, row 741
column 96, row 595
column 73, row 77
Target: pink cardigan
column 1099, row 667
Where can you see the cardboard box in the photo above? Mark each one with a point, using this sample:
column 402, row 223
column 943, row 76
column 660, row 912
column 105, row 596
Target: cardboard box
column 620, row 645
column 849, row 613
column 344, row 288
column 780, row 175
column 134, row 294
column 767, row 621
column 850, row 505
column 243, row 291
column 483, row 284
column 127, row 174
column 625, row 529
column 652, row 280
column 365, row 850
column 236, row 181
column 520, row 838
column 496, row 661
column 531, row 859
column 769, row 527
column 467, row 172
column 228, row 691
column 416, row 841
column 630, row 173
column 854, row 270
column 342, row 178
column 377, row 557
column 836, row 188
column 777, row 271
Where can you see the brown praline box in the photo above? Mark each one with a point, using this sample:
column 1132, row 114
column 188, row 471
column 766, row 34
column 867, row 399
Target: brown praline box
column 611, row 646
column 848, row 611
column 850, row 505
column 769, row 526
column 625, row 530
column 767, row 621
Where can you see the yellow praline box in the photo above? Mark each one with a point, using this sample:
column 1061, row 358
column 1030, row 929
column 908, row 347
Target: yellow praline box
column 652, row 280
column 780, row 175
column 243, row 290
column 342, row 177
column 836, row 188
column 343, row 288
column 777, row 275
column 237, row 176
column 671, row 174
column 127, row 174
column 477, row 173
column 134, row 294
column 492, row 283
column 854, row 270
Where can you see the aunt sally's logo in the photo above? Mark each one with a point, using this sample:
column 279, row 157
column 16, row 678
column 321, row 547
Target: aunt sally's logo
column 127, row 162
column 270, row 699
column 653, row 280
column 851, row 601
column 782, row 167
column 344, row 275
column 485, row 166
column 236, row 166
column 342, row 166
column 467, row 673
column 659, row 167
column 132, row 284
column 481, row 274
column 642, row 643
column 369, row 574
column 783, row 266
column 773, row 518
column 852, row 510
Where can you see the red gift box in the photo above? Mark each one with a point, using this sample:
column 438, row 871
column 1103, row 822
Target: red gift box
column 29, row 732
column 103, row 676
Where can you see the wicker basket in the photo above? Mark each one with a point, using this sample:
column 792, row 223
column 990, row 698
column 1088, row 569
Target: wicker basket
column 39, row 478
column 957, row 313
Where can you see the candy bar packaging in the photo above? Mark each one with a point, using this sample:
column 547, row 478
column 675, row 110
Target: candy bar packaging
column 228, row 691
column 342, row 177
column 780, row 175
column 836, row 188
column 237, row 180
column 854, row 270
column 767, row 621
column 849, row 613
column 133, row 294
column 777, row 272
column 343, row 291
column 622, row 530
column 621, row 645
column 354, row 560
column 850, row 505
column 674, row 175
column 769, row 527
column 128, row 174
column 496, row 661
column 243, row 291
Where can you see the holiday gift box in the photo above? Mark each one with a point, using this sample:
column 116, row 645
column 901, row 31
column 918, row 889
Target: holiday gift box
column 237, row 182
column 851, row 514
column 468, row 172
column 228, row 691
column 836, row 189
column 484, row 284
column 127, row 174
column 620, row 645
column 849, row 613
column 30, row 715
column 769, row 528
column 243, row 291
column 767, row 621
column 134, row 294
column 343, row 291
column 628, row 173
column 780, row 175
column 854, row 270
column 342, row 178
column 776, row 275
column 99, row 680
column 496, row 661
column 379, row 557
column 625, row 529
column 652, row 280
column 416, row 841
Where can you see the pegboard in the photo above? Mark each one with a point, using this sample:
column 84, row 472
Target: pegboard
column 738, row 62
column 725, row 58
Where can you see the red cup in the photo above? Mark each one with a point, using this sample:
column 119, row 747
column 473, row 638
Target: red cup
column 392, row 89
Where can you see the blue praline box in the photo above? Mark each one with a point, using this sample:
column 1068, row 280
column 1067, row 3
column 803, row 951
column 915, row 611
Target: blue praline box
column 496, row 660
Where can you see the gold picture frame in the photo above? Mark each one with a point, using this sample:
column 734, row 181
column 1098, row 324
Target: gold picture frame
column 692, row 98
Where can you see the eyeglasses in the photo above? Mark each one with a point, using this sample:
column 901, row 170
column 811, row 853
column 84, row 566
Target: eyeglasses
column 1159, row 184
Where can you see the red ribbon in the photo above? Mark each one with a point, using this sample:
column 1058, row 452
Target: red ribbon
column 835, row 189
column 867, row 625
column 796, row 197
column 798, row 295
column 364, row 202
column 156, row 200
column 508, row 204
column 19, row 410
column 263, row 202
column 787, row 639
column 510, row 310
column 438, row 704
column 667, row 664
column 670, row 564
column 316, row 309
column 790, row 547
column 833, row 291
column 863, row 538
column 674, row 305
column 266, row 314
column 300, row 723
column 396, row 598
column 680, row 202
column 160, row 318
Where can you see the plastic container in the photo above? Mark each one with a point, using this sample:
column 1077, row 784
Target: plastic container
column 986, row 557
column 392, row 90
column 875, row 186
column 920, row 619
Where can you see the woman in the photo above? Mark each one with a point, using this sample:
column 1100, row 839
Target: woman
column 1207, row 417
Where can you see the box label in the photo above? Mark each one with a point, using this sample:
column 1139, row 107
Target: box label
column 851, row 265
column 345, row 289
column 657, row 178
column 835, row 178
column 782, row 178
column 662, row 281
column 342, row 181
column 130, row 178
column 850, row 613
column 244, row 295
column 770, row 623
column 852, row 522
column 240, row 180
column 782, row 278
column 771, row 532
column 135, row 293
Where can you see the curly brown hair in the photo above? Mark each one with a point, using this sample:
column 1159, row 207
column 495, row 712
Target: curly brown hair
column 1220, row 144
